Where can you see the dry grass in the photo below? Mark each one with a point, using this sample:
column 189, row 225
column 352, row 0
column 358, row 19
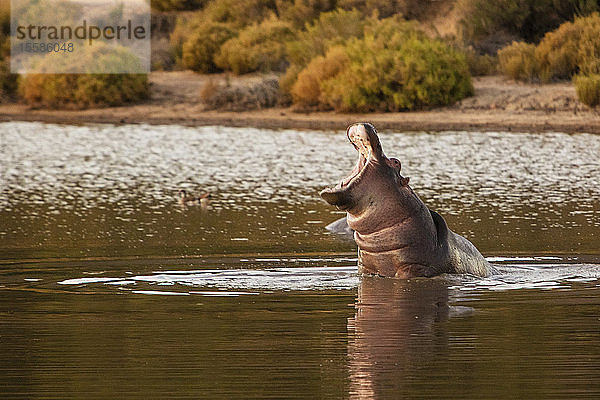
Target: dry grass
column 223, row 94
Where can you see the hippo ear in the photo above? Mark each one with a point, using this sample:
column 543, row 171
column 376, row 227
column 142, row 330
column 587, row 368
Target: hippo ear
column 394, row 163
column 405, row 181
column 338, row 198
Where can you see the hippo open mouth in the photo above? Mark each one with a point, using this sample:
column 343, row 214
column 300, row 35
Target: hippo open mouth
column 361, row 143
column 365, row 141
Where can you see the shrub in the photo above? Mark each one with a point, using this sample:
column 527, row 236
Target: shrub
column 479, row 64
column 557, row 53
column 199, row 50
column 392, row 31
column 517, row 19
column 421, row 73
column 232, row 14
column 259, row 47
column 286, row 82
column 588, row 54
column 387, row 70
column 572, row 48
column 410, row 9
column 306, row 91
column 299, row 12
column 330, row 29
column 517, row 61
column 335, row 28
column 80, row 91
column 185, row 26
column 587, row 88
column 86, row 90
column 239, row 13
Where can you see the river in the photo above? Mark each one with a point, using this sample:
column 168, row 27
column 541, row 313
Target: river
column 109, row 288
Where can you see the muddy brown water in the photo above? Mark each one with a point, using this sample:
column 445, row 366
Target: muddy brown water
column 110, row 289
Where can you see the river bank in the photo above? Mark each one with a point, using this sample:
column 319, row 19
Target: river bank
column 498, row 105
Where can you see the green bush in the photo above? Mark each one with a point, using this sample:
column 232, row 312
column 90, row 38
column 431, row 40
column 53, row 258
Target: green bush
column 517, row 61
column 330, row 29
column 199, row 50
column 587, row 88
column 390, row 69
column 91, row 89
column 336, row 28
column 259, row 47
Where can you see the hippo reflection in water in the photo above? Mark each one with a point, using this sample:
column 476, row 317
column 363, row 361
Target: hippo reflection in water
column 397, row 235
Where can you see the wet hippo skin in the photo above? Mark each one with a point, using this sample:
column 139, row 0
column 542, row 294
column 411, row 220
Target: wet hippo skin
column 397, row 235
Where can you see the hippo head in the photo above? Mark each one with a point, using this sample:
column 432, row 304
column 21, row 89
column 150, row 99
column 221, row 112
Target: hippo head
column 374, row 180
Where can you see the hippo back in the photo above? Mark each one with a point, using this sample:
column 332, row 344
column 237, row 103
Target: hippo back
column 464, row 258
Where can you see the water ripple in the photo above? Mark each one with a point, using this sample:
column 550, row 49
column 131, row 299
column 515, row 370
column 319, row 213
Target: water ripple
column 105, row 163
column 514, row 273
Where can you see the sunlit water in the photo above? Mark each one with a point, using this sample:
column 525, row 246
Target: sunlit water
column 110, row 289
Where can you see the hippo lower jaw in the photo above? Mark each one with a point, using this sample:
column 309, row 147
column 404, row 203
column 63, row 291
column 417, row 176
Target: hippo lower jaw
column 339, row 195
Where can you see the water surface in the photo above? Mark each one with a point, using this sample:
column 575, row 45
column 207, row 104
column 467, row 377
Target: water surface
column 110, row 289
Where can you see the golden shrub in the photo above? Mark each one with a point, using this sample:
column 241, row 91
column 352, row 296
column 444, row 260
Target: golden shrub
column 587, row 88
column 517, row 61
column 557, row 53
column 306, row 91
column 572, row 48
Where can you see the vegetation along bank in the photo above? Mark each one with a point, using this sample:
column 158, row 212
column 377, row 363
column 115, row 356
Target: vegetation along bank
column 336, row 57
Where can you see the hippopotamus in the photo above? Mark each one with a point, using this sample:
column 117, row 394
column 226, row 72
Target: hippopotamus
column 397, row 235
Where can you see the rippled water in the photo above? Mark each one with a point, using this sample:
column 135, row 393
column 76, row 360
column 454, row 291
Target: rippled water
column 110, row 289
